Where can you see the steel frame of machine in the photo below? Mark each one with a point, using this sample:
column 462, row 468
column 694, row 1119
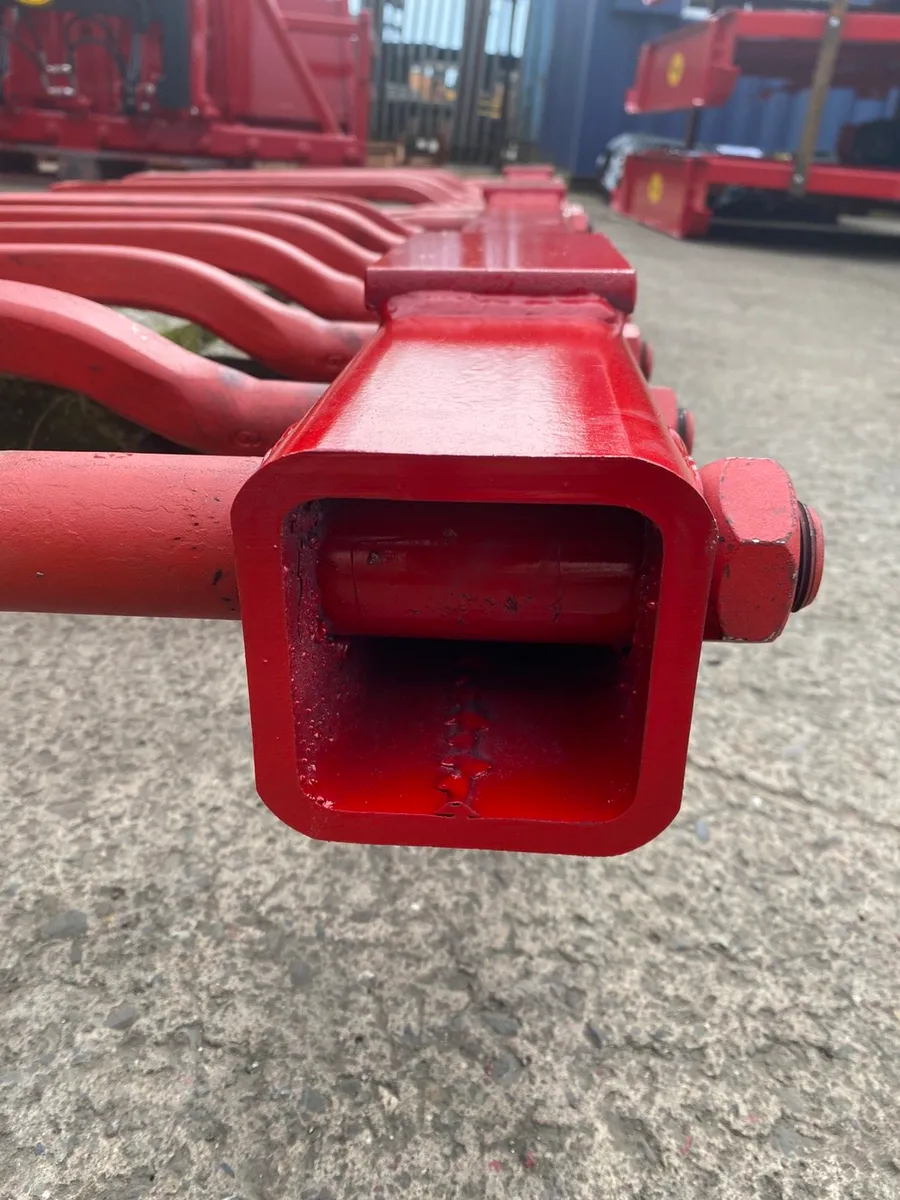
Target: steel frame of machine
column 474, row 574
column 215, row 118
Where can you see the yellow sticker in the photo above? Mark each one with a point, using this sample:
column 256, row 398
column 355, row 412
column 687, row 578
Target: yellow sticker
column 675, row 69
column 34, row 3
column 655, row 188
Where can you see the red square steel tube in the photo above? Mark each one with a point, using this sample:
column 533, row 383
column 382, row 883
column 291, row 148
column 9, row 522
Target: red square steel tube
column 474, row 581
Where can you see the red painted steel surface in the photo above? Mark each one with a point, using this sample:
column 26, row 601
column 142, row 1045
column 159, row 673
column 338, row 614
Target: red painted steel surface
column 442, row 217
column 40, row 129
column 450, row 571
column 119, row 534
column 399, row 186
column 290, row 341
column 265, row 79
column 507, row 261
column 475, row 576
column 698, row 64
column 528, row 171
column 55, row 338
column 244, row 252
column 578, row 753
column 477, row 745
column 330, row 248
column 435, row 217
column 758, row 579
column 364, row 228
column 668, row 191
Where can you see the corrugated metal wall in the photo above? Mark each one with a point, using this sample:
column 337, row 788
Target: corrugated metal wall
column 591, row 62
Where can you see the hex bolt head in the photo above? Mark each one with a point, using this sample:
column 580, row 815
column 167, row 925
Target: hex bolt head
column 770, row 550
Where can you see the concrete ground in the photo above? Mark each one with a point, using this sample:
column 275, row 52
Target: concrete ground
column 199, row 1003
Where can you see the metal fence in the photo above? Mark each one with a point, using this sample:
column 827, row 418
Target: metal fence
column 445, row 75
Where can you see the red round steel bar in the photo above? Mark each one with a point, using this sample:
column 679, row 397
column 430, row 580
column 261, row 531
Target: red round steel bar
column 290, row 341
column 363, row 207
column 268, row 260
column 119, row 534
column 54, row 338
column 445, row 570
column 314, row 177
column 359, row 226
column 324, row 244
column 350, row 204
column 397, row 186
column 321, row 176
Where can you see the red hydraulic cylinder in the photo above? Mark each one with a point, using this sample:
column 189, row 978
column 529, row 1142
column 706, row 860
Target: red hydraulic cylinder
column 55, row 338
column 290, row 341
column 119, row 534
column 243, row 252
column 330, row 248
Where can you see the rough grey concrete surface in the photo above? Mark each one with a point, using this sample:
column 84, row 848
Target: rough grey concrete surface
column 197, row 1002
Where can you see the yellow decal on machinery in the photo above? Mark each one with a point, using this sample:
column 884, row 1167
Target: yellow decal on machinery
column 34, row 3
column 655, row 188
column 675, row 69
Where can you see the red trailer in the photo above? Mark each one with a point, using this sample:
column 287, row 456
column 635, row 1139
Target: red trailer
column 698, row 66
column 234, row 80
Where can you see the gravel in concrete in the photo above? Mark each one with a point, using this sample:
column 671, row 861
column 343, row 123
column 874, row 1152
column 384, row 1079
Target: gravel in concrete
column 198, row 1003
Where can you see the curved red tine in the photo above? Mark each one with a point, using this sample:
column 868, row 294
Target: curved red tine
column 322, row 243
column 395, row 186
column 358, row 226
column 290, row 341
column 52, row 337
column 243, row 252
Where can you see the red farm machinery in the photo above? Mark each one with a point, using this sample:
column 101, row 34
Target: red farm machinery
column 697, row 66
column 96, row 82
column 473, row 555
